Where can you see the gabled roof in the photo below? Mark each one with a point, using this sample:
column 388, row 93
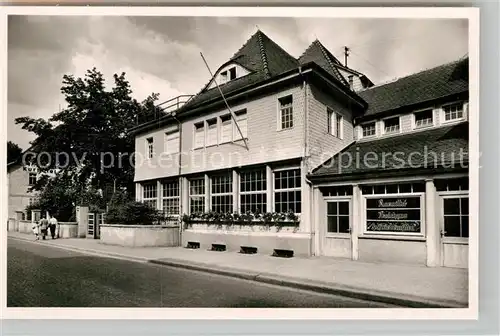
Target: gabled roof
column 316, row 52
column 431, row 149
column 262, row 56
column 439, row 82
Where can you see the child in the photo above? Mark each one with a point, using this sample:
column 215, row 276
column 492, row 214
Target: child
column 36, row 230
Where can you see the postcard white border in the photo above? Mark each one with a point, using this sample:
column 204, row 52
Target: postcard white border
column 472, row 14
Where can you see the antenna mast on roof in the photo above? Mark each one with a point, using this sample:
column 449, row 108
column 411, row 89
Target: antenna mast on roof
column 225, row 101
column 346, row 54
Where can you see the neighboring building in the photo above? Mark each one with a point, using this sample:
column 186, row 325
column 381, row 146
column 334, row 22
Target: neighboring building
column 294, row 115
column 403, row 186
column 20, row 179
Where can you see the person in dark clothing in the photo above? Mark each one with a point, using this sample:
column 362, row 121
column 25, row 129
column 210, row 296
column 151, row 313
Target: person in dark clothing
column 44, row 223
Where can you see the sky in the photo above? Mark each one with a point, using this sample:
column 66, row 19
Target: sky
column 162, row 54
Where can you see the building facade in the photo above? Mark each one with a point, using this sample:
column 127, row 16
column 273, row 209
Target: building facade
column 400, row 192
column 20, row 179
column 270, row 153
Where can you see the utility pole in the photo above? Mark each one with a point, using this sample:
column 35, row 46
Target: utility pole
column 346, row 54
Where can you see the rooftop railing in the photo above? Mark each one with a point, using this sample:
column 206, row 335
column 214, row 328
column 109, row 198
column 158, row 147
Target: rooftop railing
column 165, row 108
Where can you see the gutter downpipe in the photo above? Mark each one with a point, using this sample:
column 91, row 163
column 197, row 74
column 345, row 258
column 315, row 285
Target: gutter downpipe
column 181, row 185
column 306, row 166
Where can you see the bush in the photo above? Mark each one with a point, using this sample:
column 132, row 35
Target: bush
column 122, row 210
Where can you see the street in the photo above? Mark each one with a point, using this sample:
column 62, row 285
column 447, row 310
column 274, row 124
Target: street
column 42, row 276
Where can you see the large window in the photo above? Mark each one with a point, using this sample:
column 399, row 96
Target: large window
column 222, row 193
column 423, row 118
column 391, row 125
column 287, row 195
column 172, row 142
column 394, row 208
column 241, row 119
column 338, row 217
column 368, row 129
column 453, row 112
column 286, row 112
column 253, row 185
column 150, row 195
column 150, row 147
column 170, row 197
column 456, row 216
column 32, row 179
column 226, row 131
column 211, row 132
column 199, row 135
column 197, row 195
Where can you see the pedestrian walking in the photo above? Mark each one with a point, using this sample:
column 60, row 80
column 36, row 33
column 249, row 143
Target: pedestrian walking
column 54, row 227
column 44, row 223
column 36, row 230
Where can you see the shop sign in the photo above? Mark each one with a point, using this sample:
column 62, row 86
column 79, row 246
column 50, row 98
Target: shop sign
column 392, row 214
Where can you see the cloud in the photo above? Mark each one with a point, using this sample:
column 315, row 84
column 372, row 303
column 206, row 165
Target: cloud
column 162, row 54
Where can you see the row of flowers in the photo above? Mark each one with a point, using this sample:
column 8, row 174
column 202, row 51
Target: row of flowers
column 278, row 219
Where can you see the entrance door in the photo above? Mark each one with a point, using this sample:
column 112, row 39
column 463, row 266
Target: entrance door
column 336, row 232
column 454, row 221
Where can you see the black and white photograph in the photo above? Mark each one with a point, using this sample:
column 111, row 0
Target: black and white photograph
column 245, row 160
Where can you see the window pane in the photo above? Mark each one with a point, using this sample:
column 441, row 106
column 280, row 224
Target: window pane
column 332, row 208
column 418, row 187
column 464, row 206
column 452, row 226
column 379, row 189
column 451, row 206
column 332, row 224
column 344, row 224
column 392, row 188
column 405, row 188
column 465, row 226
column 343, row 208
column 367, row 190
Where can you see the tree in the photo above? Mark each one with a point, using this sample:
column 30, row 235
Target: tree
column 88, row 139
column 60, row 196
column 14, row 152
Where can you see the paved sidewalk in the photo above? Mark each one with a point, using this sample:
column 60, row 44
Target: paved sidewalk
column 416, row 286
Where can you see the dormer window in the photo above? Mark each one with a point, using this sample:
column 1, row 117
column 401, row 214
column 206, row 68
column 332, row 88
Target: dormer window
column 423, row 118
column 228, row 75
column 223, row 77
column 453, row 112
column 232, row 73
column 368, row 129
column 351, row 81
column 391, row 125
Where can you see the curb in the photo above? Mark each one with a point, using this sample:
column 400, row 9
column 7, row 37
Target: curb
column 325, row 288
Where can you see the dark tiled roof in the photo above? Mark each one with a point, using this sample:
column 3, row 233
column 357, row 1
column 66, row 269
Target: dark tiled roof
column 317, row 53
column 263, row 57
column 446, row 142
column 427, row 85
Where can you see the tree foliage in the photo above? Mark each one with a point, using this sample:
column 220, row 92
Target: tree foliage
column 123, row 210
column 91, row 131
column 60, row 196
column 14, row 152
